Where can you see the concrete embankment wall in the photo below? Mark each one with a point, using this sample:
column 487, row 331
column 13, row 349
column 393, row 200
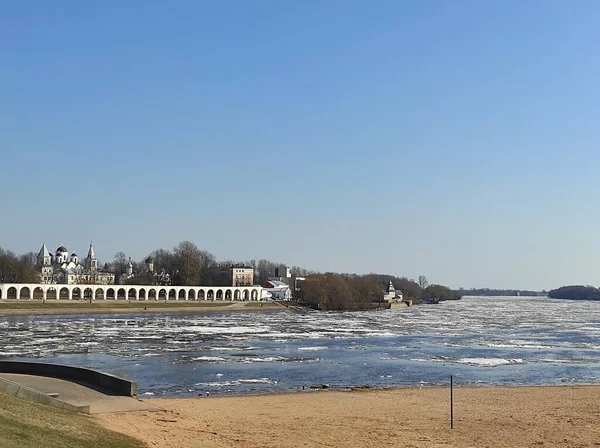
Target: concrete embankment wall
column 27, row 393
column 110, row 383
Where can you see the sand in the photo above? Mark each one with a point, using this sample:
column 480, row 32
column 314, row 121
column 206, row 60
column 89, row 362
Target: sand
column 411, row 417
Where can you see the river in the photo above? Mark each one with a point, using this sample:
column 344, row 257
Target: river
column 479, row 340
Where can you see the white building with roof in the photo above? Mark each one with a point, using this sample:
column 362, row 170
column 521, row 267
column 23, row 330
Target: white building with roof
column 278, row 290
column 395, row 297
column 63, row 269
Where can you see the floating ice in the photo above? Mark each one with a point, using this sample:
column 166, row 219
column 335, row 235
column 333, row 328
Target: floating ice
column 488, row 362
column 208, row 359
column 257, row 381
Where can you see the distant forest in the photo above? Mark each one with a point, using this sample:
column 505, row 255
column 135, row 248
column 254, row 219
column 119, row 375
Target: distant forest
column 500, row 292
column 575, row 292
column 337, row 292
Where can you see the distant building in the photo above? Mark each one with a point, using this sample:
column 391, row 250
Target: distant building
column 395, row 297
column 128, row 274
column 279, row 290
column 288, row 279
column 237, row 275
column 161, row 277
column 147, row 274
column 63, row 269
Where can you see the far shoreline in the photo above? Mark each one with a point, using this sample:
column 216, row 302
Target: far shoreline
column 37, row 308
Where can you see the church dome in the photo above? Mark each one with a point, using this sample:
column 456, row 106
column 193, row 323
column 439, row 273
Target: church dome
column 62, row 249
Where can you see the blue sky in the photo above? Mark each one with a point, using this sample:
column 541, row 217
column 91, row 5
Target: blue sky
column 453, row 139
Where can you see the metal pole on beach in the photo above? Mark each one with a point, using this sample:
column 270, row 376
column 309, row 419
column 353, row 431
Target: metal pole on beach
column 451, row 403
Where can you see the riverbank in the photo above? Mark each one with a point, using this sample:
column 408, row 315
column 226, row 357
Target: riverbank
column 27, row 424
column 37, row 308
column 484, row 417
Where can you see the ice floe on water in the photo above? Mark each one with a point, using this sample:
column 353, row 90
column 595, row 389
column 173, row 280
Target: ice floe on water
column 237, row 382
column 479, row 362
column 257, row 381
column 488, row 362
column 567, row 361
column 244, row 359
column 208, row 359
column 279, row 359
column 478, row 340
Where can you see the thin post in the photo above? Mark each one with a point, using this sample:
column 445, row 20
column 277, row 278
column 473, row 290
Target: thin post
column 451, row 403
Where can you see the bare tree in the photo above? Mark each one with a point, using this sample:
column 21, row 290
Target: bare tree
column 209, row 269
column 119, row 265
column 297, row 271
column 17, row 269
column 423, row 283
column 263, row 269
column 188, row 263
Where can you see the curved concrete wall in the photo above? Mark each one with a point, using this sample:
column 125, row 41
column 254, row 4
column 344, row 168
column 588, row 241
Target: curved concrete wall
column 110, row 383
column 26, row 393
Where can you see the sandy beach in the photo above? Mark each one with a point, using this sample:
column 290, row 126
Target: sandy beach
column 408, row 417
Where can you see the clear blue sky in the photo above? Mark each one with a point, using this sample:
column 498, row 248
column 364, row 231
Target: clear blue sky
column 453, row 139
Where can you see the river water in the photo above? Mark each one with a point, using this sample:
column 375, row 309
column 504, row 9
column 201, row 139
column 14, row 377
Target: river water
column 481, row 341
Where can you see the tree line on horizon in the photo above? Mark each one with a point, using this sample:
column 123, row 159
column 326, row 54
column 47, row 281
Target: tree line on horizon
column 575, row 292
column 188, row 265
column 500, row 292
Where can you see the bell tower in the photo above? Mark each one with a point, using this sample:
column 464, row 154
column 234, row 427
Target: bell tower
column 91, row 262
column 43, row 258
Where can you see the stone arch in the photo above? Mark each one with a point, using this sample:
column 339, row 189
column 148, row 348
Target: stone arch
column 11, row 293
column 99, row 294
column 88, row 293
column 254, row 294
column 162, row 294
column 219, row 294
column 63, row 293
column 51, row 294
column 25, row 293
column 38, row 293
column 111, row 294
column 142, row 294
column 246, row 295
column 122, row 294
column 181, row 294
column 228, row 295
column 152, row 294
column 210, row 295
column 236, row 294
column 172, row 294
column 192, row 294
column 201, row 295
column 131, row 294
column 76, row 293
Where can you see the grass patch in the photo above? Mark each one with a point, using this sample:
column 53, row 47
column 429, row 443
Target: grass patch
column 109, row 304
column 26, row 424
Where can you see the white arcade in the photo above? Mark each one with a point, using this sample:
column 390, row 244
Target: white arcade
column 40, row 291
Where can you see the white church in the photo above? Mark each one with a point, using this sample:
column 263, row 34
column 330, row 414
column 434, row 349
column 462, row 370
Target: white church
column 63, row 269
